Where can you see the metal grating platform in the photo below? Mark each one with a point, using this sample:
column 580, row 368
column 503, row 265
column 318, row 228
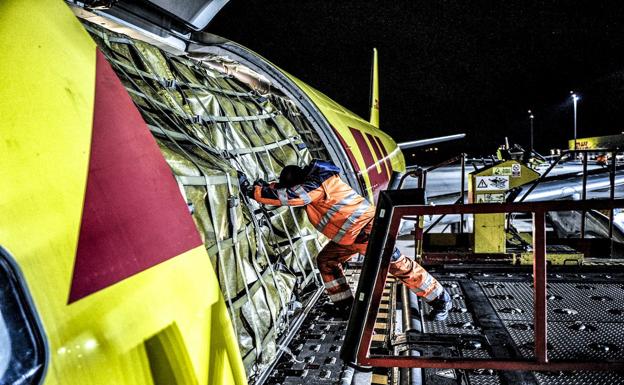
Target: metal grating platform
column 586, row 320
column 580, row 378
column 460, row 320
column 575, row 340
column 566, row 301
column 313, row 356
column 594, row 329
column 585, row 313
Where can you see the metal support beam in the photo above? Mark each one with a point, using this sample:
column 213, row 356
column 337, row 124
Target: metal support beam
column 542, row 177
column 461, row 190
column 584, row 195
column 396, row 204
column 612, row 190
column 539, row 286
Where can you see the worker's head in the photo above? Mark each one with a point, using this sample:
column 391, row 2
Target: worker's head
column 291, row 176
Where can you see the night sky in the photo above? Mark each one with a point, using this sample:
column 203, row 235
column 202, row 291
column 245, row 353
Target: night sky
column 451, row 66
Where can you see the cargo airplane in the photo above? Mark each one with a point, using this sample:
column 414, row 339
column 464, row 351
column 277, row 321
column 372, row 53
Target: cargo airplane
column 127, row 254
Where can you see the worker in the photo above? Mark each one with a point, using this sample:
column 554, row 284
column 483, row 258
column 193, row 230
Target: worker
column 602, row 160
column 346, row 218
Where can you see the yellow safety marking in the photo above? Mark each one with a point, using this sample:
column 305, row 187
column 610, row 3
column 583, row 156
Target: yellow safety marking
column 379, row 338
column 573, row 259
column 382, row 315
column 380, row 325
column 379, row 379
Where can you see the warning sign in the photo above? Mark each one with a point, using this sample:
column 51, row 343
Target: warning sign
column 491, row 198
column 516, row 170
column 501, row 171
column 492, row 183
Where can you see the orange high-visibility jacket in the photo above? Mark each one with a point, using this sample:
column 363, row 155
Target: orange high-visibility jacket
column 333, row 207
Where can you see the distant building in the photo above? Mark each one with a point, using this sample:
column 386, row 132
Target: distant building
column 598, row 142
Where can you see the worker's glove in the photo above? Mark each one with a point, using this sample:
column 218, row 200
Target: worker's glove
column 260, row 182
column 245, row 185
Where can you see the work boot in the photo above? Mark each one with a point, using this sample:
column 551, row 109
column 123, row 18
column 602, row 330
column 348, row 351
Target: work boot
column 440, row 307
column 339, row 310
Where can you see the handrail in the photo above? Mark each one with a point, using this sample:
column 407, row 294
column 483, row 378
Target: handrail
column 392, row 206
column 513, row 207
column 542, row 177
column 421, row 174
column 612, row 169
column 431, row 226
column 613, row 151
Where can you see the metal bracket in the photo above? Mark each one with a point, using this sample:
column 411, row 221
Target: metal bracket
column 233, row 201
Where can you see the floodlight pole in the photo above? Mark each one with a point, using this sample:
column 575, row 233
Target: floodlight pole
column 574, row 101
column 531, row 116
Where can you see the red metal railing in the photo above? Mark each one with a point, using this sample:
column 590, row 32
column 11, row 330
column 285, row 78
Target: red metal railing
column 567, row 154
column 370, row 304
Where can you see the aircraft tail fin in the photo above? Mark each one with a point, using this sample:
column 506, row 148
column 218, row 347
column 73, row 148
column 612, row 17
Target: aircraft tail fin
column 374, row 114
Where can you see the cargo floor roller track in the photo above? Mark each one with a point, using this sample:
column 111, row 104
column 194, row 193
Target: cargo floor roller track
column 491, row 317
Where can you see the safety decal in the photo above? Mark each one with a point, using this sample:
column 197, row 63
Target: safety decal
column 501, row 170
column 492, row 183
column 491, row 198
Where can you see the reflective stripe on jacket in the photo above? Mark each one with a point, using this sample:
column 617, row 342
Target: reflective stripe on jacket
column 333, row 207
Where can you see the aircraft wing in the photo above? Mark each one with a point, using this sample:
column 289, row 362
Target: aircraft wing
column 429, row 141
